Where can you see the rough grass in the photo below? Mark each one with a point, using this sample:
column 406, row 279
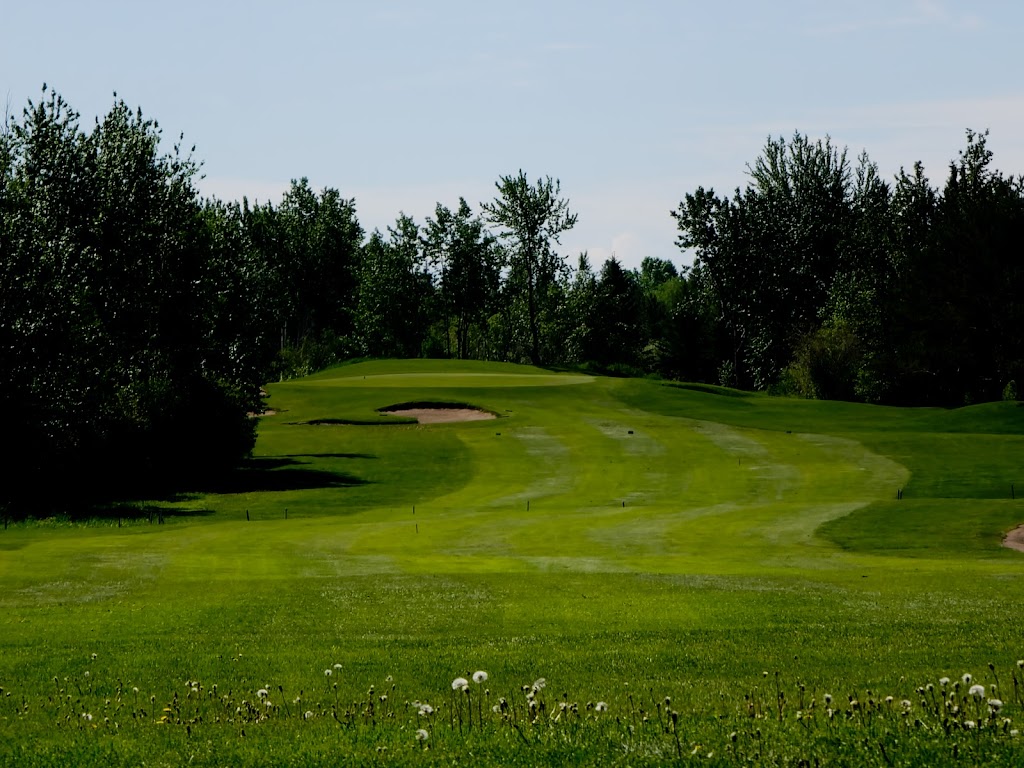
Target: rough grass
column 626, row 540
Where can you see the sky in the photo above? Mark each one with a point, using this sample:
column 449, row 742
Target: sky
column 402, row 104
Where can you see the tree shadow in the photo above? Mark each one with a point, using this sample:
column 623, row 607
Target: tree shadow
column 275, row 473
column 130, row 512
column 328, row 456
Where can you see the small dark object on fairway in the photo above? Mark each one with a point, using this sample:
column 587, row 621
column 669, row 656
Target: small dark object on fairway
column 497, row 434
column 899, row 494
column 286, row 513
column 417, row 527
column 789, row 431
column 247, row 514
column 623, row 503
column 630, row 432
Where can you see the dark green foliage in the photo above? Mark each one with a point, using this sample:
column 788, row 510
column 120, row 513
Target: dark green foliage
column 531, row 217
column 393, row 293
column 828, row 281
column 122, row 340
column 468, row 262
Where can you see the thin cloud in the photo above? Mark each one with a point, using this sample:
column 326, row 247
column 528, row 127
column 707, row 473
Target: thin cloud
column 925, row 13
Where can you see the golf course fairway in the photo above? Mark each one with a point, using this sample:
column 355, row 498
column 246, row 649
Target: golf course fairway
column 697, row 574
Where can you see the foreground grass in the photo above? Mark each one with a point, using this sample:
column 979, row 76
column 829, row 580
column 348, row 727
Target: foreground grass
column 625, row 540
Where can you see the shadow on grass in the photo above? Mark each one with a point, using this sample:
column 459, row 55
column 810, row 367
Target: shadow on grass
column 278, row 473
column 329, row 456
column 257, row 475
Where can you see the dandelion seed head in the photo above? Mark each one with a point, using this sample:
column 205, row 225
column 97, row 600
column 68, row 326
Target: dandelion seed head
column 995, row 704
column 87, row 717
column 135, row 690
column 888, row 699
column 308, row 715
column 977, row 691
column 969, row 725
column 828, row 698
column 967, row 678
column 459, row 684
column 328, row 673
column 539, row 684
column 262, row 693
column 337, row 666
column 86, row 673
column 94, row 657
column 479, row 676
column 426, row 710
column 906, row 704
column 943, row 681
column 421, row 734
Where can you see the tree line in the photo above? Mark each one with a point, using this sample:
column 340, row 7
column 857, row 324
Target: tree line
column 139, row 320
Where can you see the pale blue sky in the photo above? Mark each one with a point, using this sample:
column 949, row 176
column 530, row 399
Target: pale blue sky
column 402, row 104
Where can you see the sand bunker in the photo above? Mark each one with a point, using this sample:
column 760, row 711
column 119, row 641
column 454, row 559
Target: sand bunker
column 1015, row 539
column 439, row 414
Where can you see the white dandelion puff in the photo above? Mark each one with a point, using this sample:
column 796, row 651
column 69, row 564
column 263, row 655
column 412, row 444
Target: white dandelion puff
column 995, row 704
column 967, row 678
column 601, row 706
column 828, row 698
column 969, row 725
column 87, row 717
column 539, row 684
column 262, row 693
column 337, row 666
column 943, row 681
column 479, row 676
column 328, row 673
column 460, row 684
column 906, row 704
column 977, row 691
column 422, row 734
column 308, row 715
column 94, row 657
column 426, row 710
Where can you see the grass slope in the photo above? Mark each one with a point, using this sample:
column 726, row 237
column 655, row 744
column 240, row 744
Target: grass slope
column 627, row 540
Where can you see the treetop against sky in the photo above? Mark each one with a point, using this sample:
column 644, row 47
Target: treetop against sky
column 403, row 105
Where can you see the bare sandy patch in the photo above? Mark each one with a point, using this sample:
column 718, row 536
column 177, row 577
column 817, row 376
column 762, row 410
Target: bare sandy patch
column 1015, row 539
column 441, row 415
